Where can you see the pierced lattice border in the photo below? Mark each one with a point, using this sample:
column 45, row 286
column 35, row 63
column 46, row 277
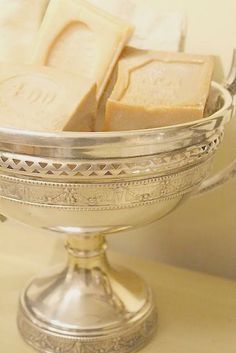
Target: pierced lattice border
column 51, row 168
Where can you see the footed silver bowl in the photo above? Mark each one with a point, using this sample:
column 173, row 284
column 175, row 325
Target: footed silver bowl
column 86, row 186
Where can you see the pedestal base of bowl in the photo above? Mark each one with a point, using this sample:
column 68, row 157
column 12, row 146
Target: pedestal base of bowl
column 87, row 307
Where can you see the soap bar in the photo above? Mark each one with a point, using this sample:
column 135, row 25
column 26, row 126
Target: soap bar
column 101, row 108
column 45, row 99
column 156, row 89
column 157, row 30
column 154, row 29
column 120, row 8
column 19, row 24
column 75, row 36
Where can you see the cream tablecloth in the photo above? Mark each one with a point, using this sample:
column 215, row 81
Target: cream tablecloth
column 197, row 313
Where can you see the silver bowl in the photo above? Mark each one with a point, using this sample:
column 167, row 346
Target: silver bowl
column 88, row 185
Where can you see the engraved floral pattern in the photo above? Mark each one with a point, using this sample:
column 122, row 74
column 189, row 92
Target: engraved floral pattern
column 125, row 342
column 103, row 196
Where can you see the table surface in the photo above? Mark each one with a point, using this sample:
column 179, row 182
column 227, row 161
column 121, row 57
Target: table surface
column 197, row 312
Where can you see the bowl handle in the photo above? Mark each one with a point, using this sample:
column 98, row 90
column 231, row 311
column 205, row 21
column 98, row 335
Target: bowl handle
column 2, row 218
column 229, row 171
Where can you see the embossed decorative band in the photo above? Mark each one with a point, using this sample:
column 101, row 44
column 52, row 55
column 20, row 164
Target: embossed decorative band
column 49, row 168
column 126, row 341
column 99, row 196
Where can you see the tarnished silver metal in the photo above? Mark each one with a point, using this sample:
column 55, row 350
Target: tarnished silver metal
column 87, row 185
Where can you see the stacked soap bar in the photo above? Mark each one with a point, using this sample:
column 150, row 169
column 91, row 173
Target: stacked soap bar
column 79, row 44
column 153, row 29
column 79, row 38
column 84, row 72
column 20, row 21
column 155, row 89
column 42, row 98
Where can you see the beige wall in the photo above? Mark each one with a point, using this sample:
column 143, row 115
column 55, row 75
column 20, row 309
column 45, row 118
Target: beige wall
column 201, row 234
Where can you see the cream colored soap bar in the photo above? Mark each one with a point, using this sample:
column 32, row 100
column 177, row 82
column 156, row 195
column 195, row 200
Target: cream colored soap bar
column 19, row 24
column 45, row 99
column 156, row 89
column 75, row 36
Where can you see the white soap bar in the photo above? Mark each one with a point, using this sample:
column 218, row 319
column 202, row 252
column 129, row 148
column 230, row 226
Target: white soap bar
column 154, row 30
column 157, row 30
column 77, row 37
column 45, row 99
column 19, row 24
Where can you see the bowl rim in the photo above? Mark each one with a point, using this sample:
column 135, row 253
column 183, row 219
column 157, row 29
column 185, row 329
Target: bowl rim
column 64, row 138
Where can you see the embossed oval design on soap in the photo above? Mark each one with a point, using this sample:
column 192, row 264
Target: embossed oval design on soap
column 74, row 50
column 36, row 94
